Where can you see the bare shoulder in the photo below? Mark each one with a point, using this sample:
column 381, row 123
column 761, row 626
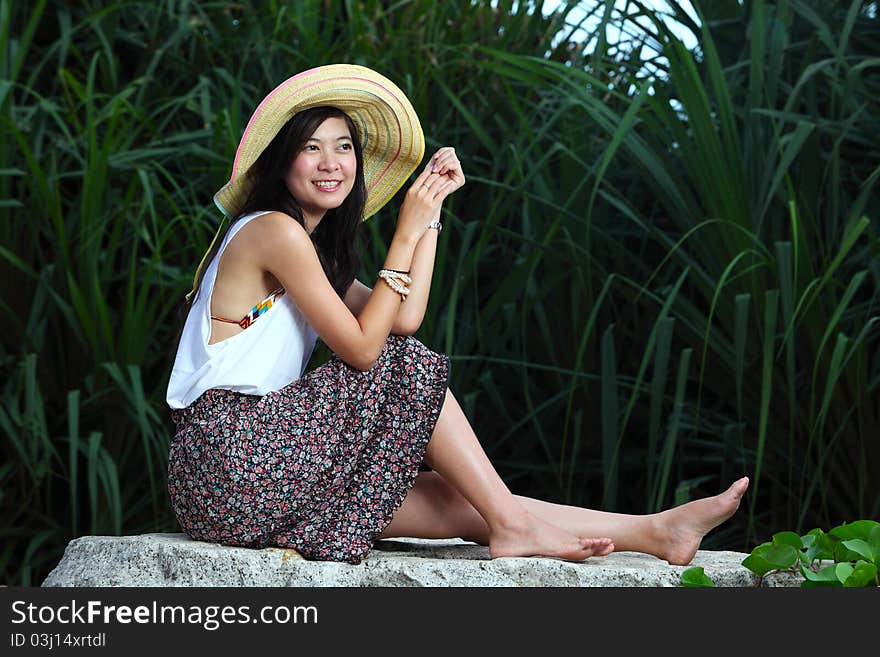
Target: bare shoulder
column 284, row 249
column 274, row 234
column 277, row 225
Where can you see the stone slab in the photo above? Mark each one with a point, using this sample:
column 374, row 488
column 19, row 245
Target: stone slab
column 176, row 560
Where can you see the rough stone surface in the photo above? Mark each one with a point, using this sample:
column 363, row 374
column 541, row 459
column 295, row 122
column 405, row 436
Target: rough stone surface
column 175, row 560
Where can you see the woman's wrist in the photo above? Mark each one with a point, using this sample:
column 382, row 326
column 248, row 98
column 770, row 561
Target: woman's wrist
column 406, row 239
column 400, row 252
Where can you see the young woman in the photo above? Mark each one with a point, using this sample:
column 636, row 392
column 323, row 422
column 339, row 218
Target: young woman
column 330, row 461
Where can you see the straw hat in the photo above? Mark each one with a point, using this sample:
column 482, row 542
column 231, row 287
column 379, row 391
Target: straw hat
column 393, row 143
column 390, row 132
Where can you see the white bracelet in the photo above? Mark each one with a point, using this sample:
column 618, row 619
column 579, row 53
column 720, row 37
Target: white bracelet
column 394, row 283
column 396, row 275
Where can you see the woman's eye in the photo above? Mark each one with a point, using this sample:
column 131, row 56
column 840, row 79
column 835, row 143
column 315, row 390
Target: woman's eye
column 346, row 147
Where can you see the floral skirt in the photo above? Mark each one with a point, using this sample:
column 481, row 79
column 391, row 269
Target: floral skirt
column 319, row 466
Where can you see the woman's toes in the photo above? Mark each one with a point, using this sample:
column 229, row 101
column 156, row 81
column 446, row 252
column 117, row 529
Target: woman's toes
column 598, row 546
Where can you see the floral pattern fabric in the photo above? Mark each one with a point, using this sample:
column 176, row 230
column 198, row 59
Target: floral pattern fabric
column 319, row 465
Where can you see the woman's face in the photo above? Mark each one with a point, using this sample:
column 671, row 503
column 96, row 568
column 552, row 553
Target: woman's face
column 323, row 172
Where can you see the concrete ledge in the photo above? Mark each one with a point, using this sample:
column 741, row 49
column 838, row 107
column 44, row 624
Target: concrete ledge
column 175, row 560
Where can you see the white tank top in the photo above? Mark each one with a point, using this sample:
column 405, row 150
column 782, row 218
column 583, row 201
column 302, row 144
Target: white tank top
column 267, row 355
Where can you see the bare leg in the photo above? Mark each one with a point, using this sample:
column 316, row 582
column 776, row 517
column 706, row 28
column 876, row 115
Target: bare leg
column 674, row 534
column 456, row 454
column 436, row 509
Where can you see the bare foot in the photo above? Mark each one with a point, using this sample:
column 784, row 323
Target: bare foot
column 681, row 529
column 537, row 538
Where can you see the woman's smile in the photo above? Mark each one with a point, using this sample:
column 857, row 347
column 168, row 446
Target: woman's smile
column 328, row 185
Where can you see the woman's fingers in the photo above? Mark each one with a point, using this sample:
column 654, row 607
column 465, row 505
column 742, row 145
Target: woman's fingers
column 425, row 180
column 446, row 163
column 430, row 182
column 423, row 176
column 442, row 156
column 443, row 189
column 441, row 176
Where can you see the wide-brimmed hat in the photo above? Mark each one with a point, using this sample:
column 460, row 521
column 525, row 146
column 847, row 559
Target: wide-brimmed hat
column 390, row 132
column 392, row 138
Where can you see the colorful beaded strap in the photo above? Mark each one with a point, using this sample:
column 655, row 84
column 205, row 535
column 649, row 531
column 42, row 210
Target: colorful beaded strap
column 256, row 311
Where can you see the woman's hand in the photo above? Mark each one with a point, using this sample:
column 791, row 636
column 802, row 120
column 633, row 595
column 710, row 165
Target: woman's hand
column 438, row 179
column 445, row 162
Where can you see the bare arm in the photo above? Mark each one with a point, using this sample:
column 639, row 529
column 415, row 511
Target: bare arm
column 446, row 164
column 411, row 313
column 290, row 256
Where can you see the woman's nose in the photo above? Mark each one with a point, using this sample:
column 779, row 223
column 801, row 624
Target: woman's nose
column 328, row 161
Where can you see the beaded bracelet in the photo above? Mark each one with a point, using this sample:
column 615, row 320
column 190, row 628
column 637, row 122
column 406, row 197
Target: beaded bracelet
column 397, row 287
column 395, row 281
column 396, row 275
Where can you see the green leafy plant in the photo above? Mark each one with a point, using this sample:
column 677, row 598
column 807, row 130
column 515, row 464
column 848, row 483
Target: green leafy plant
column 848, row 555
column 696, row 578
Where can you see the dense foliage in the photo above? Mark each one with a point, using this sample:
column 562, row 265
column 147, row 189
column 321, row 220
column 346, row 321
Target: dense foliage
column 662, row 274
